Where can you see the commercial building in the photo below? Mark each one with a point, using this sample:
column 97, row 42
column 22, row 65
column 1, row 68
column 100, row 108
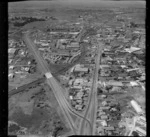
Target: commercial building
column 114, row 83
column 79, row 68
column 73, row 45
column 11, row 50
column 140, row 131
column 109, row 128
column 136, row 106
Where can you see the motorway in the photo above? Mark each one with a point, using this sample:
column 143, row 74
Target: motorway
column 91, row 109
column 51, row 81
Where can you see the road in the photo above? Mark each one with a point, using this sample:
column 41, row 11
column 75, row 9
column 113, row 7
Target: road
column 133, row 127
column 91, row 109
column 52, row 82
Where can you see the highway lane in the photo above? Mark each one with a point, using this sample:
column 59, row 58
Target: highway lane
column 91, row 109
column 36, row 53
column 52, row 82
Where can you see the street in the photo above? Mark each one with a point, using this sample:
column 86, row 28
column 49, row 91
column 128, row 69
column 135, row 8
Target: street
column 91, row 109
column 56, row 88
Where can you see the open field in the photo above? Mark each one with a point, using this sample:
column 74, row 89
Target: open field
column 37, row 110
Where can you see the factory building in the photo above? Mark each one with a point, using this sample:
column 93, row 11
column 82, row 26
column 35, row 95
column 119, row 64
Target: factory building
column 136, row 107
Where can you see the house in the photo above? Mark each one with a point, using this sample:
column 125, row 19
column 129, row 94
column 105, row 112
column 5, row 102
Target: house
column 26, row 68
column 100, row 130
column 104, row 103
column 29, row 62
column 10, row 61
column 134, row 69
column 45, row 44
column 70, row 82
column 78, row 107
column 102, row 122
column 77, row 87
column 104, row 117
column 114, row 83
column 104, row 108
column 100, row 113
column 11, row 75
column 71, row 97
column 104, row 66
column 79, row 94
column 78, row 68
column 79, row 81
column 142, row 120
column 73, row 45
column 132, row 49
column 133, row 83
column 11, row 67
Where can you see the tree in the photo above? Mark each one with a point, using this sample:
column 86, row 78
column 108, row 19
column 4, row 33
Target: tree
column 135, row 134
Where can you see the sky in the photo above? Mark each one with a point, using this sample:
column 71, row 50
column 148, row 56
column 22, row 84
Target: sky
column 76, row 3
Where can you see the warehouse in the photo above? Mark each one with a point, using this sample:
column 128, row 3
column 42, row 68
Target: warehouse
column 136, row 106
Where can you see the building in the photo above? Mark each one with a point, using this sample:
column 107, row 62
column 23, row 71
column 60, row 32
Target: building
column 79, row 68
column 77, row 87
column 108, row 128
column 132, row 49
column 102, row 122
column 11, row 75
column 140, row 131
column 141, row 120
column 11, row 67
column 134, row 69
column 114, row 83
column 11, row 50
column 104, row 117
column 100, row 130
column 79, row 81
column 136, row 106
column 133, row 83
column 73, row 45
column 78, row 107
column 104, row 66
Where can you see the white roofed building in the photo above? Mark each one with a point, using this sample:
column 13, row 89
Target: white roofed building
column 136, row 106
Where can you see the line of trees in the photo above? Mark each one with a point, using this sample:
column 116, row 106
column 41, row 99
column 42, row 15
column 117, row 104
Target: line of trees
column 25, row 20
